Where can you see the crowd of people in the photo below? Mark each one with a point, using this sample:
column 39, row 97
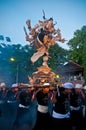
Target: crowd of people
column 63, row 107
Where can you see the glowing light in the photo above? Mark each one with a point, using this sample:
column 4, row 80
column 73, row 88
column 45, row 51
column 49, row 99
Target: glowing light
column 12, row 59
column 57, row 76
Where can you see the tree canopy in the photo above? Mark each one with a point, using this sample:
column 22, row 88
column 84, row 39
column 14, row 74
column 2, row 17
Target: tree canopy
column 78, row 48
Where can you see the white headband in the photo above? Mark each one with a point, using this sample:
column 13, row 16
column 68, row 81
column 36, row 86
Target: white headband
column 68, row 85
column 78, row 85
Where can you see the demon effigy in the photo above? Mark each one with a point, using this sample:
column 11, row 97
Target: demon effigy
column 41, row 37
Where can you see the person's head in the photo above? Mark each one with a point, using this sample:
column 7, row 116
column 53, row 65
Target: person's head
column 78, row 87
column 15, row 87
column 2, row 86
column 51, row 19
column 68, row 87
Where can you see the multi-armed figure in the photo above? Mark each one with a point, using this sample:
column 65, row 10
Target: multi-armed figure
column 42, row 36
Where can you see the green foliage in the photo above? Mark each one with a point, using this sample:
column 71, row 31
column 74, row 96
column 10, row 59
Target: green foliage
column 78, row 48
column 84, row 59
column 57, row 56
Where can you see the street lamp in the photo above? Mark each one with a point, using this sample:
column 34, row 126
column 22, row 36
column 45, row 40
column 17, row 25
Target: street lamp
column 12, row 59
column 17, row 69
column 17, row 74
